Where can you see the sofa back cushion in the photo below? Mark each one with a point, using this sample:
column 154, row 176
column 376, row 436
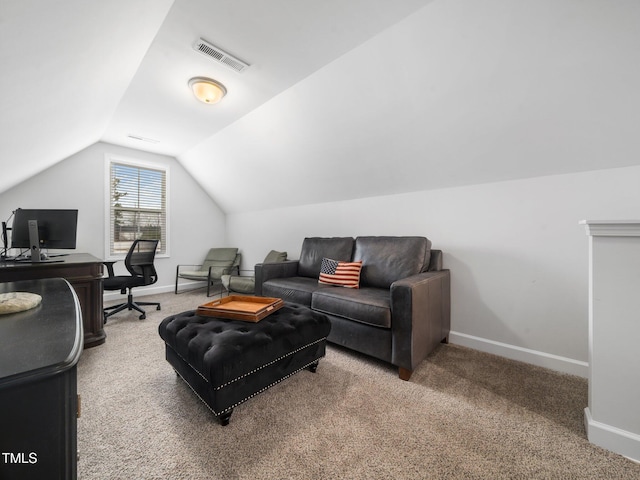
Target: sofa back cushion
column 314, row 249
column 387, row 259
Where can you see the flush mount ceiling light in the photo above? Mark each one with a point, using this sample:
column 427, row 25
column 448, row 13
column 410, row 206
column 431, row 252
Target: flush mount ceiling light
column 207, row 90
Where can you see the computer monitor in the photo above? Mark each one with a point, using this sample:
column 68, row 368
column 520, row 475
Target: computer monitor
column 36, row 229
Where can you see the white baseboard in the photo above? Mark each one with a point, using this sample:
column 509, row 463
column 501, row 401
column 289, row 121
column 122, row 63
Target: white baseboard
column 534, row 357
column 612, row 438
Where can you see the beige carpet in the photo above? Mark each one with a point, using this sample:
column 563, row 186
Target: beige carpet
column 464, row 414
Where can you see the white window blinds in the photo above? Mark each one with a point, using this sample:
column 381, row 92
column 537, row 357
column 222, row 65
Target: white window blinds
column 137, row 206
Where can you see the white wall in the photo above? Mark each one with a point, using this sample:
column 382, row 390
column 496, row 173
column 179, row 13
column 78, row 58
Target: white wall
column 196, row 223
column 517, row 255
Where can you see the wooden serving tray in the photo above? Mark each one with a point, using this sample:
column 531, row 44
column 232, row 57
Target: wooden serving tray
column 239, row 307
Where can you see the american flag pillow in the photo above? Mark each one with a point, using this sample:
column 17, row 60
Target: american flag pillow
column 344, row 274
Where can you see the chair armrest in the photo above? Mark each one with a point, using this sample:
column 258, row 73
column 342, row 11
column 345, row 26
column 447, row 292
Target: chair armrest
column 420, row 316
column 186, row 265
column 178, row 267
column 178, row 272
column 267, row 271
column 109, row 265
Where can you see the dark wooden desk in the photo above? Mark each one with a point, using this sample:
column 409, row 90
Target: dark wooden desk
column 39, row 352
column 83, row 272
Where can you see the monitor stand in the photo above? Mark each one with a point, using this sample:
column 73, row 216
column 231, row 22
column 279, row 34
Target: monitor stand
column 34, row 240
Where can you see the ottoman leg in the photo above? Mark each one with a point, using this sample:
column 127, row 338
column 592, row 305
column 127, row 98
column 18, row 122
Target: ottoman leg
column 224, row 418
column 313, row 367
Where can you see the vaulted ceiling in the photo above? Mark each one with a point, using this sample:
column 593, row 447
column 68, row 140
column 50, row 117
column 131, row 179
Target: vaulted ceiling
column 342, row 99
column 76, row 72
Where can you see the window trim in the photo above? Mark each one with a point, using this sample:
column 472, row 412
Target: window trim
column 111, row 158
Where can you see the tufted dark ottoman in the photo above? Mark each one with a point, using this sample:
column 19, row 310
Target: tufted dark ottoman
column 226, row 362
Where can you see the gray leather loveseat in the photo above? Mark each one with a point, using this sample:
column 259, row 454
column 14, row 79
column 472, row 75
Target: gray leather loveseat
column 399, row 313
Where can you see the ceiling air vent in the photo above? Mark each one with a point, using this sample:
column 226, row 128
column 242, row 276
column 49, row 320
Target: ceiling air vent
column 220, row 56
column 142, row 139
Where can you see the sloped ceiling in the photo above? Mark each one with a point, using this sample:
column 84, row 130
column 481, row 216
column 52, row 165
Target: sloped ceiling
column 65, row 66
column 459, row 93
column 343, row 99
column 75, row 72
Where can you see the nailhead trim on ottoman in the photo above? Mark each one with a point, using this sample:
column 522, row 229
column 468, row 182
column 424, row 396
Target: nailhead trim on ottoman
column 226, row 362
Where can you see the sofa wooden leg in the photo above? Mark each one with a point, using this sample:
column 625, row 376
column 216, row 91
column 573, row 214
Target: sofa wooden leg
column 404, row 373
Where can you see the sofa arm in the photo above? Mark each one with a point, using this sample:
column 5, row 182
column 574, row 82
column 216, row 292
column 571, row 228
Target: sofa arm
column 267, row 271
column 421, row 317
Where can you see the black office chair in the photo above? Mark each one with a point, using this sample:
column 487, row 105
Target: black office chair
column 139, row 263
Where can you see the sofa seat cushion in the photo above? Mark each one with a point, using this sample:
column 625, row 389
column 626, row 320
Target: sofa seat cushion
column 292, row 289
column 365, row 305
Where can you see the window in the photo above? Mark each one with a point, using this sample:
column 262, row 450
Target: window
column 137, row 205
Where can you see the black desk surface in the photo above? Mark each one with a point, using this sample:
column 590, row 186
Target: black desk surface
column 72, row 258
column 44, row 340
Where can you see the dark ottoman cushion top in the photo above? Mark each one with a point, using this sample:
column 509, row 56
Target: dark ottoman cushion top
column 224, row 350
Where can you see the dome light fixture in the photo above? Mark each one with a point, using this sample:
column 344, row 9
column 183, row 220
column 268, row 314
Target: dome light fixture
column 207, row 90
